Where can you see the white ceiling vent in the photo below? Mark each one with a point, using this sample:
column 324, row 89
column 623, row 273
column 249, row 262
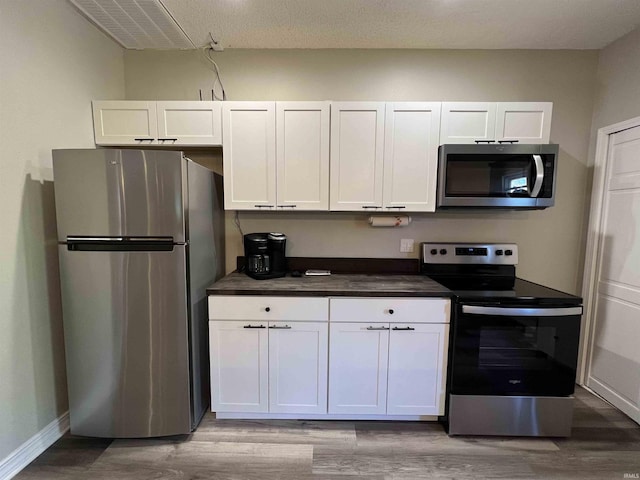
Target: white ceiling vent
column 136, row 24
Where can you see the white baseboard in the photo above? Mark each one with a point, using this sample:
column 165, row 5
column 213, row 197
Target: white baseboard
column 29, row 450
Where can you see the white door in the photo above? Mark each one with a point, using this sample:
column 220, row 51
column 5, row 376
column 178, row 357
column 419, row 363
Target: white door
column 125, row 123
column 239, row 366
column 411, row 133
column 466, row 122
column 357, row 140
column 298, row 367
column 189, row 123
column 614, row 370
column 249, row 166
column 302, row 147
column 358, row 355
column 526, row 122
column 417, row 369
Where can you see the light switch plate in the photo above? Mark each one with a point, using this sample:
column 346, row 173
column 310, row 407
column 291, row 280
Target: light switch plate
column 406, row 245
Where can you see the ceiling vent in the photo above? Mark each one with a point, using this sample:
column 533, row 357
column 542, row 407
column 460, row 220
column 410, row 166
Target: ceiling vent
column 136, row 24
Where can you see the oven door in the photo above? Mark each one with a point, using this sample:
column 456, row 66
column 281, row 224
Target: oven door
column 499, row 176
column 515, row 351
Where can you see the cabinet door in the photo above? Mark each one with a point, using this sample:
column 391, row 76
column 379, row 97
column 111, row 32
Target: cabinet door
column 239, row 366
column 249, row 142
column 527, row 122
column 358, row 356
column 466, row 122
column 412, row 133
column 125, row 123
column 302, row 147
column 417, row 369
column 189, row 123
column 298, row 367
column 357, row 137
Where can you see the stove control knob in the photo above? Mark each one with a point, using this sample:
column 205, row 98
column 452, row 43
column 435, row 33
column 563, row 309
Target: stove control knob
column 508, row 252
column 434, row 251
column 443, row 251
column 498, row 252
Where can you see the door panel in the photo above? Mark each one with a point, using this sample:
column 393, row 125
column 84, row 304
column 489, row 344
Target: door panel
column 112, row 193
column 125, row 123
column 239, row 366
column 614, row 360
column 189, row 123
column 298, row 367
column 125, row 323
column 466, row 122
column 358, row 358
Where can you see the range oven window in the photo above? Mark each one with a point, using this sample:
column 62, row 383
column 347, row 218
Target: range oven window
column 513, row 355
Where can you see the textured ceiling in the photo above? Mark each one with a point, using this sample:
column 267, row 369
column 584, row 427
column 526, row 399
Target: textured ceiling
column 484, row 24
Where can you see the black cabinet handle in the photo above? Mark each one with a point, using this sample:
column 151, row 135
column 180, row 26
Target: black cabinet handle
column 268, row 309
column 403, row 328
column 508, row 141
column 484, row 141
column 370, row 206
column 168, row 139
column 263, row 206
column 286, row 327
column 399, row 206
column 254, row 326
column 144, row 139
column 287, row 206
column 391, row 311
column 377, row 328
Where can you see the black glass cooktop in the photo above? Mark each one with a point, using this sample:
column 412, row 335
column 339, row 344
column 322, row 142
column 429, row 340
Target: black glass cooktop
column 505, row 291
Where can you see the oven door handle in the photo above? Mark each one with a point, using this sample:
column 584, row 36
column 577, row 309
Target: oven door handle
column 521, row 312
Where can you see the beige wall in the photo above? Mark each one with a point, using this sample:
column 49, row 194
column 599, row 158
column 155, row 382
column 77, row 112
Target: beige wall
column 53, row 63
column 550, row 240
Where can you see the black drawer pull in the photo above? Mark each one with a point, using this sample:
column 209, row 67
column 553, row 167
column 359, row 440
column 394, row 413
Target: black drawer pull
column 144, row 139
column 263, row 206
column 484, row 141
column 370, row 206
column 508, row 141
column 279, row 328
column 287, row 206
column 377, row 328
column 168, row 139
column 403, row 328
column 254, row 326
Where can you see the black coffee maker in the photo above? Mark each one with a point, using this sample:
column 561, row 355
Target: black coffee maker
column 264, row 255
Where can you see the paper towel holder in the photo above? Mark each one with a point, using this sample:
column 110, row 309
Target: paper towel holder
column 389, row 221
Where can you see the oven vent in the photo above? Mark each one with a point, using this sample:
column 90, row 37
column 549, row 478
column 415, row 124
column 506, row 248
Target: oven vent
column 136, row 24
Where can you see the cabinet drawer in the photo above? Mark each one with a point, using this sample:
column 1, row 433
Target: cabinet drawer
column 240, row 307
column 392, row 310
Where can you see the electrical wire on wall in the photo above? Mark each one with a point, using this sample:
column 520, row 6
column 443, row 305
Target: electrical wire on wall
column 207, row 52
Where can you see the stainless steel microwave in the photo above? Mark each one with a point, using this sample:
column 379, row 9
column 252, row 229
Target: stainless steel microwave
column 497, row 176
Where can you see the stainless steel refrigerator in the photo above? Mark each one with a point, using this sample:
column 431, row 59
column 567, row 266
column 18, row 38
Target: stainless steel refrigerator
column 140, row 238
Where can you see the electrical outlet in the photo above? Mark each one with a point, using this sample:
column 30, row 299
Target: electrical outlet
column 406, row 245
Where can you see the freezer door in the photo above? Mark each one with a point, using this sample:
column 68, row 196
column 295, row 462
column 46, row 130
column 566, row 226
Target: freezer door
column 126, row 340
column 119, row 193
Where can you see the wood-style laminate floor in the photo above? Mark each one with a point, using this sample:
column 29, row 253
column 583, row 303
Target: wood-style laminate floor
column 605, row 444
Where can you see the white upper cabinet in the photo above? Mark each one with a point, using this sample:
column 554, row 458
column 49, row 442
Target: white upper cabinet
column 189, row 123
column 522, row 122
column 125, row 123
column 412, row 131
column 302, row 146
column 466, row 122
column 157, row 123
column 276, row 155
column 249, row 143
column 357, row 139
column 527, row 122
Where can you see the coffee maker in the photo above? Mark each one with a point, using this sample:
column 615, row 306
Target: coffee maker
column 264, row 255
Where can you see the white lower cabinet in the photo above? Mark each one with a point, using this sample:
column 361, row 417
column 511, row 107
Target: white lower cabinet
column 282, row 359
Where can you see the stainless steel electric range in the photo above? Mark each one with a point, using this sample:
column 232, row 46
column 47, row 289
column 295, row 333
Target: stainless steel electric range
column 514, row 343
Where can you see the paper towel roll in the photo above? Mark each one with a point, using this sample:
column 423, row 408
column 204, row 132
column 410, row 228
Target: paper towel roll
column 390, row 221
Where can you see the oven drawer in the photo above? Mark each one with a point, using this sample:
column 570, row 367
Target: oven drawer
column 390, row 310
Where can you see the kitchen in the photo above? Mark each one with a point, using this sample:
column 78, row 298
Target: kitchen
column 584, row 86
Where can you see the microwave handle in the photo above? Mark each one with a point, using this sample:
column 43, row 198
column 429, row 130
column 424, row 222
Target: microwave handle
column 537, row 185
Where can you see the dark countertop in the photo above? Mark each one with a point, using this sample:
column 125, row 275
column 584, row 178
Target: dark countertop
column 351, row 285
